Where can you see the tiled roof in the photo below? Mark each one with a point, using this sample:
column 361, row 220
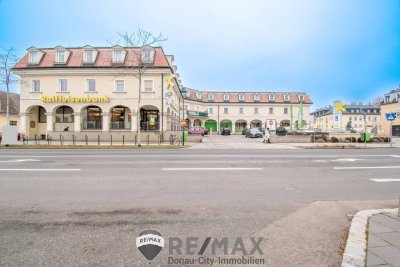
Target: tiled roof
column 14, row 103
column 104, row 59
column 248, row 97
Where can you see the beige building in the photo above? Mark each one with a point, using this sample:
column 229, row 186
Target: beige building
column 95, row 91
column 241, row 110
column 327, row 118
column 391, row 104
column 13, row 118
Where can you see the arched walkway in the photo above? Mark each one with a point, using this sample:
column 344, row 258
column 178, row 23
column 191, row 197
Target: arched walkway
column 285, row 123
column 120, row 118
column 150, row 118
column 36, row 121
column 301, row 126
column 240, row 125
column 197, row 122
column 64, row 118
column 226, row 124
column 211, row 125
column 92, row 118
column 255, row 124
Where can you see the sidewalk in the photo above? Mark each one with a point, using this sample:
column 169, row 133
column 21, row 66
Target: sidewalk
column 384, row 240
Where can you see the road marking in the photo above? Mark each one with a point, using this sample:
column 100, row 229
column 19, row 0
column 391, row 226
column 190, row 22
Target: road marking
column 345, row 160
column 386, row 180
column 40, row 170
column 395, row 156
column 19, row 160
column 369, row 167
column 209, row 169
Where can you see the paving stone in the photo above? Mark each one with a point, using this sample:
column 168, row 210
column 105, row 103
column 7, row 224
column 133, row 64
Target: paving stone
column 375, row 227
column 372, row 259
column 374, row 241
column 382, row 218
column 392, row 238
column 389, row 253
column 392, row 225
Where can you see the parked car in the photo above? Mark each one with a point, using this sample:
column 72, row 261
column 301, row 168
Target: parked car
column 254, row 133
column 281, row 131
column 262, row 130
column 225, row 131
column 198, row 130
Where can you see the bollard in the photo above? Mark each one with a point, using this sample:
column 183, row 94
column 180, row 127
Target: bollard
column 86, row 139
column 98, row 139
column 73, row 139
column 147, row 139
column 25, row 138
column 61, row 140
column 135, row 140
column 159, row 139
column 111, row 140
column 123, row 139
column 48, row 139
column 36, row 141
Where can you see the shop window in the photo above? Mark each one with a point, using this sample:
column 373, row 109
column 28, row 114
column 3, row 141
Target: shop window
column 42, row 115
column 13, row 123
column 64, row 114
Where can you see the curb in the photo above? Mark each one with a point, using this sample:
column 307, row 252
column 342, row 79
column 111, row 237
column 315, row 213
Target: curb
column 356, row 246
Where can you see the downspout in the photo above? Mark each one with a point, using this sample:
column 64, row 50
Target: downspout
column 218, row 130
column 162, row 104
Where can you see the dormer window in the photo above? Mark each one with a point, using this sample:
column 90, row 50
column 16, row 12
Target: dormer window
column 271, row 97
column 148, row 55
column 257, row 97
column 198, row 95
column 226, row 97
column 89, row 56
column 118, row 54
column 286, row 97
column 33, row 57
column 241, row 97
column 210, row 96
column 301, row 98
column 60, row 56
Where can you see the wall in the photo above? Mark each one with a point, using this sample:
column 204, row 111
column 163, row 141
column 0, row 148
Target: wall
column 389, row 108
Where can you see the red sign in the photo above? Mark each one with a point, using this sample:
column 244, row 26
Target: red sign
column 183, row 123
column 271, row 122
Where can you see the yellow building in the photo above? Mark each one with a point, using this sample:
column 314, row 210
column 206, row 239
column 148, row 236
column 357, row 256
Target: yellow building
column 13, row 117
column 391, row 104
column 358, row 114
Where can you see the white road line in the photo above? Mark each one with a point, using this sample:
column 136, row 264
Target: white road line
column 209, row 169
column 395, row 156
column 19, row 160
column 369, row 167
column 40, row 170
column 386, row 180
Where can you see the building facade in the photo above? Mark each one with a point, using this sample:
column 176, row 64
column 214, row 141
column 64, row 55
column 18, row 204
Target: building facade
column 90, row 90
column 337, row 117
column 13, row 112
column 391, row 104
column 241, row 110
column 96, row 89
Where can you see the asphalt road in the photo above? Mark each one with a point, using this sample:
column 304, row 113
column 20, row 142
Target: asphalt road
column 86, row 207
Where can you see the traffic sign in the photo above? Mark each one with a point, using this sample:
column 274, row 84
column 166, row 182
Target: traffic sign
column 183, row 123
column 390, row 116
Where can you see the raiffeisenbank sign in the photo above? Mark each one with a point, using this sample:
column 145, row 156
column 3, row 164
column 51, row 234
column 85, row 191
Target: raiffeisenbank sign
column 74, row 99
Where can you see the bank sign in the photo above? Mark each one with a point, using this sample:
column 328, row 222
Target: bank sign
column 73, row 99
column 197, row 113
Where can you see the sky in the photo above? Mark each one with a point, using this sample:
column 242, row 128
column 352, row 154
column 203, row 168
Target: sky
column 332, row 49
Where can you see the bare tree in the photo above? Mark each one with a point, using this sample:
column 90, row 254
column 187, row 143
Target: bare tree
column 143, row 45
column 8, row 60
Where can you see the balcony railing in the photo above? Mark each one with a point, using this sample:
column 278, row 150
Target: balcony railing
column 149, row 126
column 120, row 125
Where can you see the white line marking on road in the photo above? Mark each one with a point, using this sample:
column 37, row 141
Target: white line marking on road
column 386, row 180
column 395, row 156
column 40, row 170
column 356, row 168
column 209, row 169
column 345, row 160
column 19, row 160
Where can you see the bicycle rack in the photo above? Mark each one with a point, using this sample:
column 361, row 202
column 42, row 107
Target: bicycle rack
column 159, row 139
column 123, row 139
column 25, row 138
column 111, row 140
column 36, row 141
column 147, row 139
column 98, row 139
column 86, row 139
column 61, row 140
column 73, row 139
column 135, row 139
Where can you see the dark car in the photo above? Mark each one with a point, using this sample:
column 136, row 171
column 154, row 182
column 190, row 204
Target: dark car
column 198, row 130
column 254, row 133
column 244, row 131
column 262, row 130
column 225, row 131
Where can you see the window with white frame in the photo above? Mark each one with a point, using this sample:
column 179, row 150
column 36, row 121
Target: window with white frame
column 271, row 110
column 255, row 110
column 36, row 86
column 148, row 85
column 148, row 55
column 257, row 97
column 119, row 86
column 198, row 95
column 210, row 96
column 301, row 98
column 34, row 57
column 226, row 97
column 285, row 97
column 241, row 97
column 210, row 110
column 240, row 110
column 285, row 111
column 118, row 56
column 62, row 85
column 271, row 97
column 60, row 56
column 226, row 110
column 89, row 56
column 91, row 85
